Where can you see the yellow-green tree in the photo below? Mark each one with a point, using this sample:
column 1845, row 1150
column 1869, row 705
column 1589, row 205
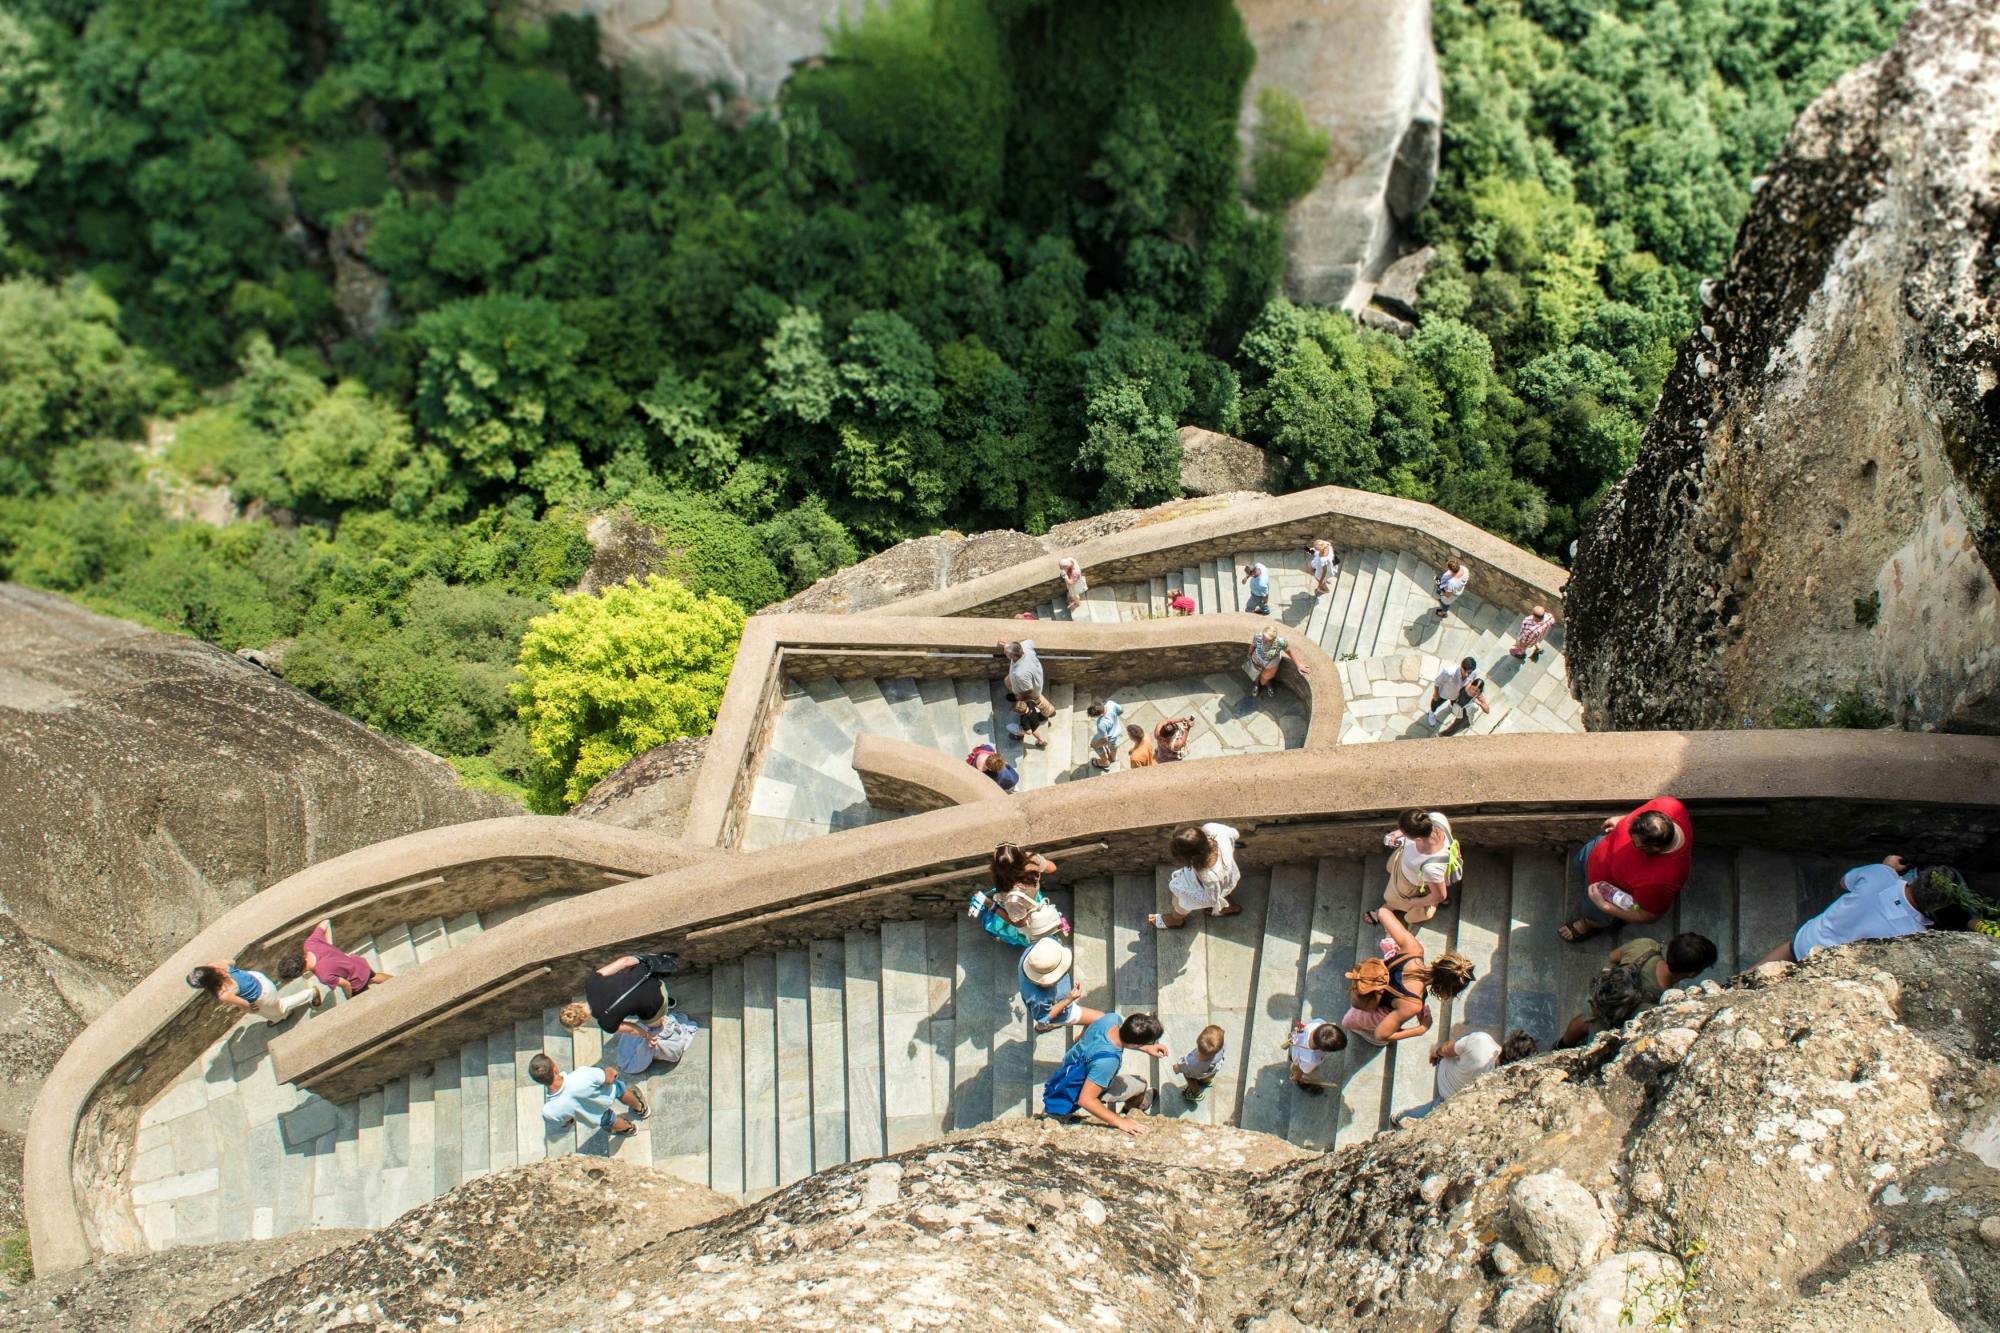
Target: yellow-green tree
column 606, row 677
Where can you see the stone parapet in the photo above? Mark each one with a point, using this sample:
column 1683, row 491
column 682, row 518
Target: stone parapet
column 902, row 775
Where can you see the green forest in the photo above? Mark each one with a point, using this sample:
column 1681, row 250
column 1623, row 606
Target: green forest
column 428, row 285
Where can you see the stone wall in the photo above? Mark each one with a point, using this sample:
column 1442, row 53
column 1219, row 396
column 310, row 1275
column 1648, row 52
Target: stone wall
column 1815, row 503
column 902, row 775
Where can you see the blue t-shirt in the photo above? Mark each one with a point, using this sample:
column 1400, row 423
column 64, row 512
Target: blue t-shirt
column 1260, row 581
column 1107, row 726
column 1041, row 1000
column 248, row 988
column 1101, row 1055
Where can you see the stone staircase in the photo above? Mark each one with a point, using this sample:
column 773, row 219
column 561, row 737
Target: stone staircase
column 879, row 1039
column 1376, row 623
column 806, row 785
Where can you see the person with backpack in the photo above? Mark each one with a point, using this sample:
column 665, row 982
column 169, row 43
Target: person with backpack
column 1205, row 877
column 1633, row 871
column 1884, row 900
column 1386, row 995
column 1091, row 1082
column 1026, row 681
column 628, row 988
column 1472, row 696
column 990, row 762
column 1640, row 971
column 1424, row 862
column 1448, row 689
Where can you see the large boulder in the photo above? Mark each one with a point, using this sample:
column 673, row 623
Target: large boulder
column 1366, row 74
column 148, row 783
column 1216, row 464
column 650, row 792
column 1816, row 504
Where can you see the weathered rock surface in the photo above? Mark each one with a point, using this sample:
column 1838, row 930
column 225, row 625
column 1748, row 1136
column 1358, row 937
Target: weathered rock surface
column 160, row 1293
column 1816, row 504
column 741, row 48
column 924, row 564
column 650, row 792
column 148, row 783
column 1805, row 1094
column 1368, row 75
column 1216, row 464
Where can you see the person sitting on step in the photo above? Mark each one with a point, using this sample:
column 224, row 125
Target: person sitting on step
column 1386, row 995
column 1631, row 872
column 1269, row 650
column 1179, row 603
column 335, row 969
column 1884, row 900
column 590, row 1096
column 639, row 1045
column 1640, row 971
column 1205, row 876
column 248, row 989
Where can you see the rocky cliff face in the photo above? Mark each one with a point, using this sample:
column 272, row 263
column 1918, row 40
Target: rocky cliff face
column 1368, row 75
column 150, row 783
column 1814, row 1148
column 1816, row 504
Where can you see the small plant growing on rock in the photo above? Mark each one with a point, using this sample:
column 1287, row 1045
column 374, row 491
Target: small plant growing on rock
column 1850, row 710
column 1665, row 1304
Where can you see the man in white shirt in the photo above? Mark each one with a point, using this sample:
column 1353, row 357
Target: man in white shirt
column 1451, row 581
column 1447, row 688
column 1883, row 901
column 1467, row 1057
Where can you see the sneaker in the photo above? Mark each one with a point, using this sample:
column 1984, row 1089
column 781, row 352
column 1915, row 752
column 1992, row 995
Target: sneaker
column 1192, row 1093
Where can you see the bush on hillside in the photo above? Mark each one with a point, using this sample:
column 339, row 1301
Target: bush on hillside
column 608, row 677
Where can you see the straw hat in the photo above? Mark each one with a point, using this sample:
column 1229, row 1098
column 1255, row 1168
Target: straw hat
column 1047, row 962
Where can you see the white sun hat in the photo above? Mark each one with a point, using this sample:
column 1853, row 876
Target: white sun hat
column 1047, row 962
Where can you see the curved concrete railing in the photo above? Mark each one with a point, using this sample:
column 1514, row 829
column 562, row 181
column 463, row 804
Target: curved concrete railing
column 1773, row 788
column 1501, row 572
column 902, row 775
column 1097, row 657
column 81, row 1130
column 1776, row 788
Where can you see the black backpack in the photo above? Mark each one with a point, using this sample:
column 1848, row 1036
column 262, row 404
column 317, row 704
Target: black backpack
column 1617, row 993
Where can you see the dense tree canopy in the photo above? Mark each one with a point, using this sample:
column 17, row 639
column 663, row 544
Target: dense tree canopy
column 974, row 268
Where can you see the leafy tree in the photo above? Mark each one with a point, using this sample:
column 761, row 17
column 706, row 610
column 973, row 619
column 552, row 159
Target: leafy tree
column 608, row 677
column 495, row 380
column 708, row 549
column 1288, row 154
column 65, row 376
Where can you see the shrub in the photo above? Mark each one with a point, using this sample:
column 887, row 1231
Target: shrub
column 708, row 549
column 608, row 677
column 1288, row 153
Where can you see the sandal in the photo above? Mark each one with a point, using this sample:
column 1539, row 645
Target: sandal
column 1158, row 921
column 1371, row 917
column 643, row 1109
column 1227, row 911
column 1579, row 930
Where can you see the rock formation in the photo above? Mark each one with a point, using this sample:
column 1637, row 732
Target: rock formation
column 1216, row 464
column 1816, row 505
column 649, row 792
column 151, row 782
column 1814, row 1147
column 1367, row 75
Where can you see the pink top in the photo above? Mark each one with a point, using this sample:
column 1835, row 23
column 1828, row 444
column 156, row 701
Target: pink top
column 1183, row 603
column 333, row 966
column 1532, row 630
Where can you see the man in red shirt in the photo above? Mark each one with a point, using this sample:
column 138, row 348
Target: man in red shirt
column 1632, row 871
column 347, row 973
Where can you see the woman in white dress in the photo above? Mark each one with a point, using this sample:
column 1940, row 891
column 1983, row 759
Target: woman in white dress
column 1205, row 876
column 1322, row 565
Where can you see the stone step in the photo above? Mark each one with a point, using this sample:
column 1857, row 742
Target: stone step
column 1229, row 593
column 908, row 707
column 941, row 704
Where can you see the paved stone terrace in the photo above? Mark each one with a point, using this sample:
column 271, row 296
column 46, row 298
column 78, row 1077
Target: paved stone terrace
column 1377, row 625
column 878, row 1039
column 806, row 784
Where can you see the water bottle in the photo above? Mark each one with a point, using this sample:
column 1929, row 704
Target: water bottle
column 978, row 905
column 1623, row 901
column 1392, row 837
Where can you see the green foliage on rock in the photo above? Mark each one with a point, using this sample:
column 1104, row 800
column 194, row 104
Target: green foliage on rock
column 1289, row 154
column 604, row 678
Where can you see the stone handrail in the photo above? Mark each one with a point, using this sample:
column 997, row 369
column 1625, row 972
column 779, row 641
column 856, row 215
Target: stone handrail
column 1096, row 657
column 1775, row 788
column 1769, row 788
column 1502, row 573
column 903, row 775
column 87, row 1111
